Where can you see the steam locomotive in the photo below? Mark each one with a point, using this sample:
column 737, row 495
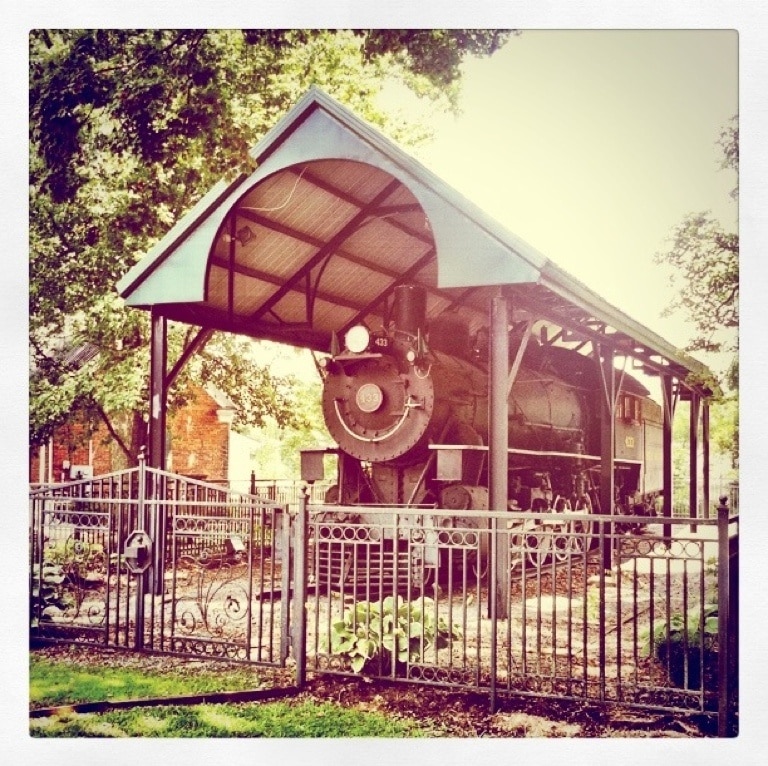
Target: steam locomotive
column 408, row 407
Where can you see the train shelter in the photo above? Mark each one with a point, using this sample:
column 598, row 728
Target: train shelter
column 332, row 221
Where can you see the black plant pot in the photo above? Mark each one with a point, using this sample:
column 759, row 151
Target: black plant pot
column 673, row 656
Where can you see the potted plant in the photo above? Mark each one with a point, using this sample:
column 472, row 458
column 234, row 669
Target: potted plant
column 683, row 641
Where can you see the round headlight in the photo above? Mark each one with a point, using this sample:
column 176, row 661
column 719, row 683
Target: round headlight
column 357, row 338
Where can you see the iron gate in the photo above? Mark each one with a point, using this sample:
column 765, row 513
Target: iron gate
column 149, row 560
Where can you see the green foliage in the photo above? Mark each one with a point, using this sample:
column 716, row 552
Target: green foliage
column 394, row 628
column 685, row 629
column 55, row 683
column 66, row 563
column 705, row 258
column 128, row 129
column 680, row 642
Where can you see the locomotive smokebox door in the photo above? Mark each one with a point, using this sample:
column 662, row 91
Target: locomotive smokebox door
column 312, row 467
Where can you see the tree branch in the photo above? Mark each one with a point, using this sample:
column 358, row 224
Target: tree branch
column 114, row 434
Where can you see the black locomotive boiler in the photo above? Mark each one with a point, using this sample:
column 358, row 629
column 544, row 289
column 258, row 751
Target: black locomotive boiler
column 407, row 405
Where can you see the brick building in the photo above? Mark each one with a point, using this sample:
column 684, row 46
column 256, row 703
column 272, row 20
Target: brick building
column 199, row 445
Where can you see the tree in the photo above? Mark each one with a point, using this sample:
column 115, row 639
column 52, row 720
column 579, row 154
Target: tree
column 128, row 128
column 705, row 260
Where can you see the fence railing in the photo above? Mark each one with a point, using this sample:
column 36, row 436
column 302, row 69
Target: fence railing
column 520, row 604
column 149, row 560
column 498, row 603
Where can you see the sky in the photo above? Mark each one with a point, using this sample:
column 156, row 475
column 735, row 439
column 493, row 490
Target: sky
column 592, row 145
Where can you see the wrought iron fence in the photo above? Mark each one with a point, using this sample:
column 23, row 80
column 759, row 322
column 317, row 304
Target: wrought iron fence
column 148, row 560
column 499, row 603
column 520, row 604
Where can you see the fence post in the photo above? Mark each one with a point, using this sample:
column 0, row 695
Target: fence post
column 299, row 626
column 493, row 597
column 141, row 579
column 723, row 606
column 286, row 563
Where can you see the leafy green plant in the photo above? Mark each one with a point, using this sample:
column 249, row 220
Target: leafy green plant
column 682, row 640
column 393, row 629
column 66, row 564
column 76, row 556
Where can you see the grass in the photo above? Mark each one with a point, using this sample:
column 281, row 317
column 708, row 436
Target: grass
column 60, row 683
column 275, row 719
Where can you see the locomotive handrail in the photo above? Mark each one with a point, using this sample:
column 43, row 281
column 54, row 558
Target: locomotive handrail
column 520, row 451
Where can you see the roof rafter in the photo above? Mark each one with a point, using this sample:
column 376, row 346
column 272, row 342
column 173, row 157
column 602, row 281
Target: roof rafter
column 329, row 248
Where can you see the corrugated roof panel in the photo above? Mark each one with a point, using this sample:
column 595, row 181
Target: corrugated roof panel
column 304, row 207
column 320, row 171
column 352, row 283
column 381, row 242
column 356, row 180
column 250, row 293
column 292, row 309
column 217, row 287
column 332, row 317
column 274, row 253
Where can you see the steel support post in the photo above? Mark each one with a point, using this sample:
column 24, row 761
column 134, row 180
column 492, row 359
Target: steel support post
column 666, row 452
column 705, row 468
column 157, row 445
column 607, row 448
column 723, row 622
column 158, row 392
column 299, row 613
column 498, row 422
column 693, row 457
column 286, row 562
column 141, row 579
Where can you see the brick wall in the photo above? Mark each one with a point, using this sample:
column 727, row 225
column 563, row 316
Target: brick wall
column 72, row 444
column 198, row 445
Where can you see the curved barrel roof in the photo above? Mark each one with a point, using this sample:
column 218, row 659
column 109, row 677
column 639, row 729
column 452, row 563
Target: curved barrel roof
column 334, row 217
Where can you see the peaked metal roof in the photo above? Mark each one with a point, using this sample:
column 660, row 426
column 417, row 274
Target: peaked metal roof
column 334, row 217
